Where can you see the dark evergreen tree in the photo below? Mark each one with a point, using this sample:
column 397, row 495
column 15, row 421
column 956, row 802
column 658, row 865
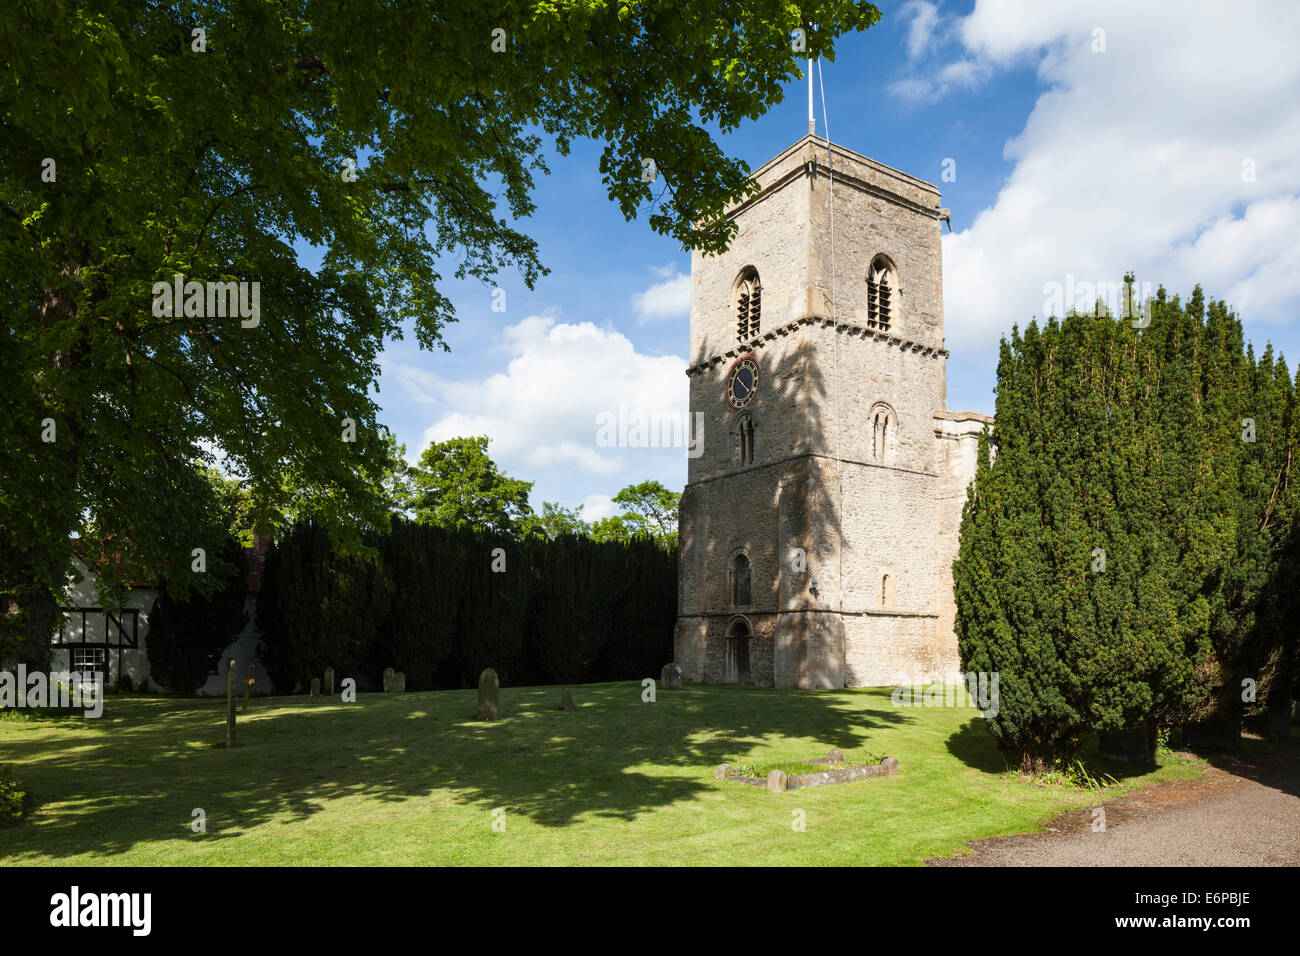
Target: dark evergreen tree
column 640, row 639
column 497, row 572
column 1093, row 547
column 579, row 583
column 425, row 577
column 187, row 635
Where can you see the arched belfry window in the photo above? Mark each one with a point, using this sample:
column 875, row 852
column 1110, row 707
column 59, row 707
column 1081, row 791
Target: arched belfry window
column 749, row 305
column 746, row 429
column 741, row 584
column 882, row 294
column 884, row 432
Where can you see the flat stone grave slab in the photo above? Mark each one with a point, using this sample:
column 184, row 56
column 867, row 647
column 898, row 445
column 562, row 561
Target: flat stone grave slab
column 837, row 771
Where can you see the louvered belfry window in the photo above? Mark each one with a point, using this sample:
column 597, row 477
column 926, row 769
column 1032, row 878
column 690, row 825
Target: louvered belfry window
column 880, row 294
column 749, row 306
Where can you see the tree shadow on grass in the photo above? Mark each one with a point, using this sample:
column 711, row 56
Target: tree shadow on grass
column 136, row 774
column 976, row 747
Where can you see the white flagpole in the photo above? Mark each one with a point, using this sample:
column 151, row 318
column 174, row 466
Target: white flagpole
column 812, row 123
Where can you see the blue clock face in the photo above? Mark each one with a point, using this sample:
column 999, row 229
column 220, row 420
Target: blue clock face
column 742, row 383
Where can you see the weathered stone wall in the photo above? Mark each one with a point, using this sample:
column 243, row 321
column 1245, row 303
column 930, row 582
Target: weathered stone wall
column 957, row 438
column 785, row 411
column 884, row 649
column 877, row 211
column 773, row 238
column 889, row 527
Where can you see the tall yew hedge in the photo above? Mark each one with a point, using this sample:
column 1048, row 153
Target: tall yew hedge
column 441, row 604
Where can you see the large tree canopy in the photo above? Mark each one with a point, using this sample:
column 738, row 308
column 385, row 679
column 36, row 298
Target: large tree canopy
column 146, row 140
column 457, row 483
column 648, row 508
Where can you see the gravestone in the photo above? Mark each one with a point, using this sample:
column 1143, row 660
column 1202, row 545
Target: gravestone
column 566, row 699
column 329, row 682
column 776, row 781
column 1136, row 744
column 889, row 765
column 835, row 756
column 489, row 690
column 315, row 686
column 388, row 680
column 721, row 770
column 399, row 682
column 671, row 677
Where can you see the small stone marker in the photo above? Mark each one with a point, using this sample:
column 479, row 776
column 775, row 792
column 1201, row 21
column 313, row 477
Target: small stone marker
column 835, row 756
column 776, row 781
column 671, row 677
column 388, row 680
column 889, row 765
column 315, row 686
column 328, row 685
column 566, row 699
column 721, row 770
column 399, row 682
column 489, row 702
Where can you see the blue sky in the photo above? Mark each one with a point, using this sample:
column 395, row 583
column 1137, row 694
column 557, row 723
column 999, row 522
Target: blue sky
column 1167, row 143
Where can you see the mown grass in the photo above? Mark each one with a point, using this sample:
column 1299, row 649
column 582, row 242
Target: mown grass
column 416, row 779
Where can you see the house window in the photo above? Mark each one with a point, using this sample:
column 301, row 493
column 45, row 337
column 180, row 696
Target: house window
column 882, row 290
column 741, row 591
column 746, row 440
column 749, row 305
column 88, row 658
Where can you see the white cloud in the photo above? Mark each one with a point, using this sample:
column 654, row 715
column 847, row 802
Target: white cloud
column 595, row 507
column 669, row 299
column 541, row 412
column 1133, row 158
column 925, row 18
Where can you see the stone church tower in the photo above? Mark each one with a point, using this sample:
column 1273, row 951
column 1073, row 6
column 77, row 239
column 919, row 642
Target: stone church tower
column 819, row 522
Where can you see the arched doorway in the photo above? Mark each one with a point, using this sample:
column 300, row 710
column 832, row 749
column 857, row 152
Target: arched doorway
column 738, row 637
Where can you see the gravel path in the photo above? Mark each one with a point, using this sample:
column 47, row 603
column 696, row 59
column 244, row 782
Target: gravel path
column 1236, row 814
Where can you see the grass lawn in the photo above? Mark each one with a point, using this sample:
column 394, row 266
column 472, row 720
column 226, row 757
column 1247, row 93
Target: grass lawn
column 415, row 778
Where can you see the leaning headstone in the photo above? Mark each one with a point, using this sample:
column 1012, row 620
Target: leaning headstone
column 399, row 682
column 671, row 677
column 328, row 686
column 388, row 680
column 721, row 770
column 566, row 699
column 776, row 781
column 889, row 765
column 836, row 756
column 315, row 686
column 489, row 688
